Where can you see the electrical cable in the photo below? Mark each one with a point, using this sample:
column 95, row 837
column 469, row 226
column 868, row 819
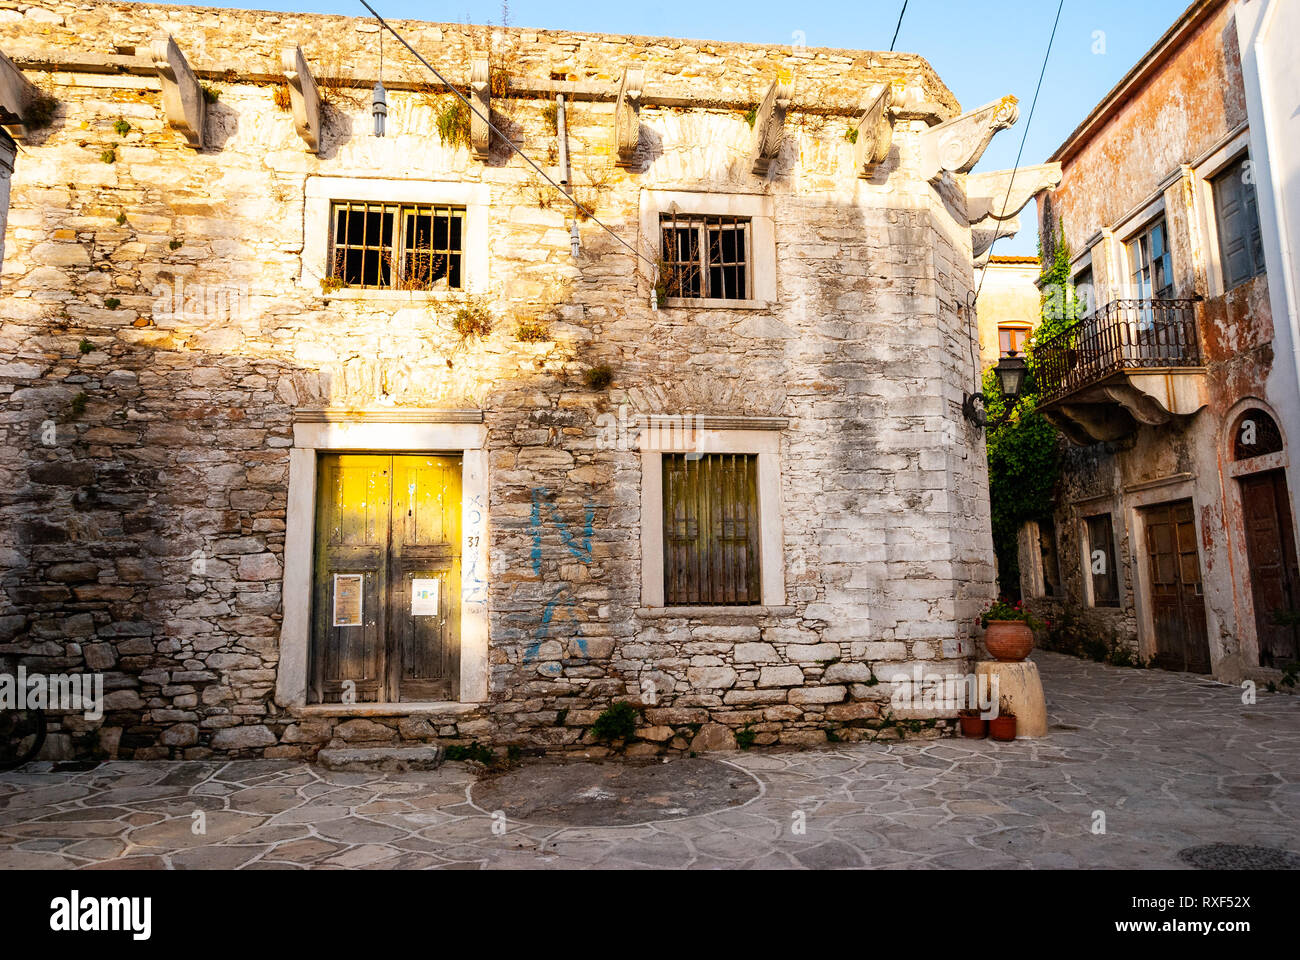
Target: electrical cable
column 899, row 27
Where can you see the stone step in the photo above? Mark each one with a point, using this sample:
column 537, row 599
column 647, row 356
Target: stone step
column 425, row 756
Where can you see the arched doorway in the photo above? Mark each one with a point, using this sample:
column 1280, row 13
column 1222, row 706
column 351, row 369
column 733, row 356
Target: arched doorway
column 1270, row 537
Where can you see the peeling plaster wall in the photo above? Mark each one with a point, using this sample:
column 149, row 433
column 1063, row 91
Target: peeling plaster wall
column 173, row 433
column 1150, row 152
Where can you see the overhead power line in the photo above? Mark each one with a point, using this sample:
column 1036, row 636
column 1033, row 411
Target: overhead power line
column 1023, row 137
column 899, row 27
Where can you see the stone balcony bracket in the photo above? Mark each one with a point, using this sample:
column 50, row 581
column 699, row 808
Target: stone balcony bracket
column 627, row 116
column 956, row 145
column 769, row 124
column 303, row 95
column 17, row 94
column 182, row 95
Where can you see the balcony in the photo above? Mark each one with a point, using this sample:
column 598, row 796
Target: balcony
column 1133, row 362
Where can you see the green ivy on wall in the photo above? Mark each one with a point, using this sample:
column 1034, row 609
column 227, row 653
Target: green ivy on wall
column 1025, row 452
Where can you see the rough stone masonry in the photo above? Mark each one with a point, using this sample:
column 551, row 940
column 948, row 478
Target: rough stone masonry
column 165, row 334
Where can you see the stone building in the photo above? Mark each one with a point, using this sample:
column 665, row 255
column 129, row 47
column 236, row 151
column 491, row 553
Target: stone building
column 1174, row 531
column 314, row 436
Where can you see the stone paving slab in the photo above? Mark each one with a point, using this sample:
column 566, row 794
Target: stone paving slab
column 1173, row 761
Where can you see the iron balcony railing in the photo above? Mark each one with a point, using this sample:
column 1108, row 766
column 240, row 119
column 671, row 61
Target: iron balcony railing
column 1123, row 335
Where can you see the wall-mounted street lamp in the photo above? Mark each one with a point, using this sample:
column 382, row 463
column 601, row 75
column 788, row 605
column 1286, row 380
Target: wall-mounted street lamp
column 1010, row 371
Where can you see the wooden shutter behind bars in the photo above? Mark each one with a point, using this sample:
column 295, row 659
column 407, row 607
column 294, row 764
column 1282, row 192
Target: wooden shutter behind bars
column 711, row 551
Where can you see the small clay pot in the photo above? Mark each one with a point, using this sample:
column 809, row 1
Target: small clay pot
column 973, row 725
column 1003, row 727
column 1009, row 640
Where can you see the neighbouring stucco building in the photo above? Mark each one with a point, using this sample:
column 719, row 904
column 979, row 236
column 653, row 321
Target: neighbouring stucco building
column 1174, row 530
column 317, row 436
column 1008, row 306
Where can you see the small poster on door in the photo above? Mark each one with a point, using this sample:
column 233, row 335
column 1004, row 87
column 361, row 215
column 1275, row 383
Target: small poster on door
column 424, row 598
column 347, row 599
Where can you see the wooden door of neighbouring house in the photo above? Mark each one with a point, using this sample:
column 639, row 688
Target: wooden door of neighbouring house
column 386, row 600
column 1270, row 550
column 1177, row 602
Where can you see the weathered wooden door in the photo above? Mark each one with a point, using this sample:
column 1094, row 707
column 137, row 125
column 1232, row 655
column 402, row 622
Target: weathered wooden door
column 1177, row 601
column 1270, row 550
column 386, row 601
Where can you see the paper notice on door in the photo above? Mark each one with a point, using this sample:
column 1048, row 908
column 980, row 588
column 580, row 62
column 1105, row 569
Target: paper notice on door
column 424, row 598
column 347, row 599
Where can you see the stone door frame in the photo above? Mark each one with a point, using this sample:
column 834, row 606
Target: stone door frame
column 385, row 431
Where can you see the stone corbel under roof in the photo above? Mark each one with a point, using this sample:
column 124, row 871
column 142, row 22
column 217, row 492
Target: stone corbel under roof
column 182, row 96
column 956, row 145
column 769, row 124
column 303, row 95
column 17, row 94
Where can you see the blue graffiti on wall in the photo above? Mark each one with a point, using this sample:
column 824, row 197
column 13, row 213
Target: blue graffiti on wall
column 563, row 598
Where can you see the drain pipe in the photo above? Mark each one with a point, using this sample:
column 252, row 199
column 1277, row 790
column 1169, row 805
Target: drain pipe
column 562, row 135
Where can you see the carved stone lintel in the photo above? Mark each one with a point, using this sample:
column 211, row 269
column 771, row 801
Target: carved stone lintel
column 303, row 95
column 769, row 124
column 181, row 94
column 480, row 94
column 627, row 121
column 875, row 133
column 1002, row 194
column 956, row 145
column 17, row 94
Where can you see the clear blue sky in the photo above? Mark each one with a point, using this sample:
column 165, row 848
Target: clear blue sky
column 983, row 49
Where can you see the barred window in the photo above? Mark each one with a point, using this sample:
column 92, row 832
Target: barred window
column 392, row 246
column 706, row 258
column 711, row 527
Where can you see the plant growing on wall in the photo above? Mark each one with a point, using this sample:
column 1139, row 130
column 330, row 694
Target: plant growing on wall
column 281, row 98
column 618, row 722
column 472, row 319
column 1025, row 452
column 453, row 122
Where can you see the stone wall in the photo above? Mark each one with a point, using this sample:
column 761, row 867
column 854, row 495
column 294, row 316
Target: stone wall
column 137, row 440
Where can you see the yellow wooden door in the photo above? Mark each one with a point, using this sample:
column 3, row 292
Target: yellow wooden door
column 386, row 600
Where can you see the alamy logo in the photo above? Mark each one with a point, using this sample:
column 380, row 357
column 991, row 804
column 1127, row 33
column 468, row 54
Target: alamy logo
column 74, row 692
column 74, row 913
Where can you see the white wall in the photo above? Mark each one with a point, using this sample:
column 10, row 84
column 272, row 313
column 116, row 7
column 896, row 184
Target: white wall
column 1267, row 31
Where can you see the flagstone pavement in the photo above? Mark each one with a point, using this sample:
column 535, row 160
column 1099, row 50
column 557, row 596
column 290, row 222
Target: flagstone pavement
column 1171, row 761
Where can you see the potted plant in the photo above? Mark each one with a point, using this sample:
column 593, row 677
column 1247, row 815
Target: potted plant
column 1003, row 726
column 972, row 724
column 1009, row 630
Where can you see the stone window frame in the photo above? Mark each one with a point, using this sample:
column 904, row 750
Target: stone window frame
column 766, row 444
column 411, row 431
column 321, row 192
column 1203, row 175
column 759, row 208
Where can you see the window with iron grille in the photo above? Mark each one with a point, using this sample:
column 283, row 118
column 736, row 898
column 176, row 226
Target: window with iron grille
column 711, row 544
column 1241, row 244
column 397, row 246
column 1150, row 263
column 1101, row 561
column 706, row 258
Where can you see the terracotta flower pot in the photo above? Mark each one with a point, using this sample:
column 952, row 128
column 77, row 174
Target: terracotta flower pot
column 973, row 725
column 1003, row 727
column 1009, row 640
